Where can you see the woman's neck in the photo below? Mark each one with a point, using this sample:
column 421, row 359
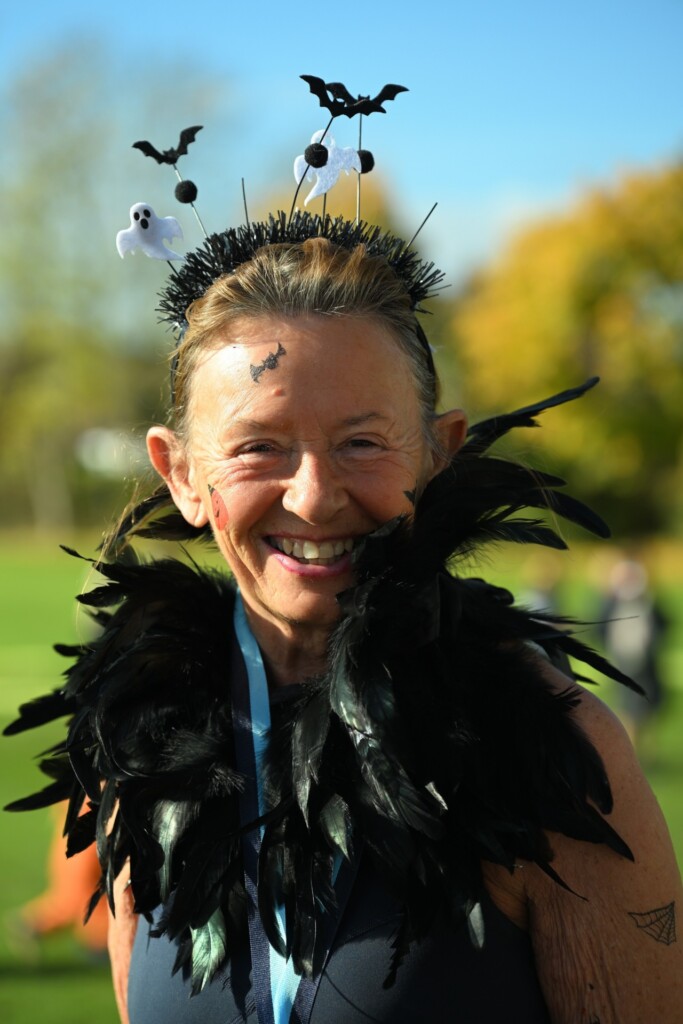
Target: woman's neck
column 291, row 651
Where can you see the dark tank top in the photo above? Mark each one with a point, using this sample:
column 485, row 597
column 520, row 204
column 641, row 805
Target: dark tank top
column 442, row 980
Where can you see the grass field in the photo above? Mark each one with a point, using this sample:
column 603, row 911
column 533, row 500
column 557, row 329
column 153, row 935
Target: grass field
column 60, row 984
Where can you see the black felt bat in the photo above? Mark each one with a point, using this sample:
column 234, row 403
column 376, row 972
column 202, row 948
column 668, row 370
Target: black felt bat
column 338, row 100
column 170, row 156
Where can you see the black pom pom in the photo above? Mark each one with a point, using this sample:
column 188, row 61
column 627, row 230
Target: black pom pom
column 315, row 155
column 367, row 161
column 186, row 191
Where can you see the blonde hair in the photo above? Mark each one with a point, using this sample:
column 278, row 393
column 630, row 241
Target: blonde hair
column 314, row 277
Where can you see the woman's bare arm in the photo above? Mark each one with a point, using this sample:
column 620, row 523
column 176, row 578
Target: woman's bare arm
column 122, row 930
column 613, row 957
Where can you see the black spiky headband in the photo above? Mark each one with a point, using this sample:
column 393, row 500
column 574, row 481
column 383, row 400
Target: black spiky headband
column 222, row 253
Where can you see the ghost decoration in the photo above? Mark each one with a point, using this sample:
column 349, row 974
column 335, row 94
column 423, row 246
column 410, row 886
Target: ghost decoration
column 147, row 233
column 338, row 160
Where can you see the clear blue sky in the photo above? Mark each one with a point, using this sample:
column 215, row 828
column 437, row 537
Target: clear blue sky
column 513, row 106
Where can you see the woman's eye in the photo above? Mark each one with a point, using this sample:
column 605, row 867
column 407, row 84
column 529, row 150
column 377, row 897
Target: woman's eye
column 363, row 442
column 262, row 446
column 361, row 445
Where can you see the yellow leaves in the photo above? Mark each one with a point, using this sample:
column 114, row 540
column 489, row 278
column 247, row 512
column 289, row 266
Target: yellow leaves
column 598, row 290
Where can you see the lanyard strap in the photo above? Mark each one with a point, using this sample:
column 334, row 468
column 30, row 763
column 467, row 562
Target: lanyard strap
column 273, row 979
column 281, row 996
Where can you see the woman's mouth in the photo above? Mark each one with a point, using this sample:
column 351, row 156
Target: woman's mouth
column 310, row 552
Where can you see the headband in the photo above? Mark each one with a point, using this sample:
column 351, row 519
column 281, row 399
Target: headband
column 222, row 252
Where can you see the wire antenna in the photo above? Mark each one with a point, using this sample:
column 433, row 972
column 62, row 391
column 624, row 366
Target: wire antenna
column 421, row 225
column 359, row 173
column 244, row 200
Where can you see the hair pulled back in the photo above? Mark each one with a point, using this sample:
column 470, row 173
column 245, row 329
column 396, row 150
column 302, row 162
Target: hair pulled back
column 314, row 277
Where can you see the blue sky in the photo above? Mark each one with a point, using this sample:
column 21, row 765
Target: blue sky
column 513, row 107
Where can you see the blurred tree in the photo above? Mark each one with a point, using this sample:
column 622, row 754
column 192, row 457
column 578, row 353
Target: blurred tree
column 598, row 290
column 73, row 356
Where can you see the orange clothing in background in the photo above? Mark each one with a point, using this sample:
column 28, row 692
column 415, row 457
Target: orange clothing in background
column 71, row 883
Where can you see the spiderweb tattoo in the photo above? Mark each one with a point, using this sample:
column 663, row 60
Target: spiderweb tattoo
column 659, row 923
column 269, row 363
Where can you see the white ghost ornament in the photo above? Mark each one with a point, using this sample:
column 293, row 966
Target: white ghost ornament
column 147, row 233
column 338, row 160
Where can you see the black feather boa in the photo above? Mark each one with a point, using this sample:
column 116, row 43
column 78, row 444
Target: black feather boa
column 433, row 739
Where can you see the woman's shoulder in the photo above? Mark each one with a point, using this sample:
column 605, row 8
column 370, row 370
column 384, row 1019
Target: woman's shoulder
column 606, row 944
column 632, row 796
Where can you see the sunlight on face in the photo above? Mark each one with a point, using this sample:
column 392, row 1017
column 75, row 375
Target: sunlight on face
column 305, row 435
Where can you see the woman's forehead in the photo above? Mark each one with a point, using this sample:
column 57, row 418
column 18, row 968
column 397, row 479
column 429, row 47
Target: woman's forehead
column 311, row 346
column 353, row 365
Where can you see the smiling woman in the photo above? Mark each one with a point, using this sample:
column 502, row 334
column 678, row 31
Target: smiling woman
column 341, row 782
column 328, row 447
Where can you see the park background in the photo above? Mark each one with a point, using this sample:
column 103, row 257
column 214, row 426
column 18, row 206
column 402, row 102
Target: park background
column 552, row 140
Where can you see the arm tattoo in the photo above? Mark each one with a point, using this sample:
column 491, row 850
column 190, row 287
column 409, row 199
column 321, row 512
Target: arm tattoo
column 269, row 363
column 659, row 923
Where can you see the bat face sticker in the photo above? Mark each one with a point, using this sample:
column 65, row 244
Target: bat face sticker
column 220, row 512
column 147, row 233
column 269, row 363
column 338, row 160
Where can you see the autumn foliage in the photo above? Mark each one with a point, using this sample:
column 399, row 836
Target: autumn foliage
column 595, row 291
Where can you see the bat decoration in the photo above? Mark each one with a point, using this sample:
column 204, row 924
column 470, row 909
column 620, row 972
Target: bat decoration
column 170, row 156
column 338, row 160
column 147, row 233
column 336, row 98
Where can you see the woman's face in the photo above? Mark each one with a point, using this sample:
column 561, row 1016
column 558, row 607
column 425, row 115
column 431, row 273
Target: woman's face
column 304, row 436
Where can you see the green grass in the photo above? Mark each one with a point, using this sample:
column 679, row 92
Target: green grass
column 62, row 986
column 58, row 982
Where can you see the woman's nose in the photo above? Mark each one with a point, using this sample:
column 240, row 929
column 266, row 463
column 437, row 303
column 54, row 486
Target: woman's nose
column 314, row 492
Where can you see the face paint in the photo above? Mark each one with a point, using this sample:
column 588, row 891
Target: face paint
column 220, row 512
column 269, row 363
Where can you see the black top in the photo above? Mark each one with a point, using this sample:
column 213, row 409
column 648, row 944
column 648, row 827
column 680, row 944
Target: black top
column 442, row 979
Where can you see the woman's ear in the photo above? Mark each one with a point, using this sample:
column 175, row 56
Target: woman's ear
column 171, row 461
column 450, row 429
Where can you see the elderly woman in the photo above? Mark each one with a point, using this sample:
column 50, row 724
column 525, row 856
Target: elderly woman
column 345, row 784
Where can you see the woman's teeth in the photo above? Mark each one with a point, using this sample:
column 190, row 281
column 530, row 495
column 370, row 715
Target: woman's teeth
column 311, row 553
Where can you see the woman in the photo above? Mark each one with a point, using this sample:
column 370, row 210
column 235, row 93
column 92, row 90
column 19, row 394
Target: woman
column 359, row 789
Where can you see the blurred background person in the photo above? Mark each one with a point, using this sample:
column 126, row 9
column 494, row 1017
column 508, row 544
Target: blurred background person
column 632, row 629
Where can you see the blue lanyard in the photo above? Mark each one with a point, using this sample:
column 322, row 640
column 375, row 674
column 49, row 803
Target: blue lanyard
column 275, row 982
column 281, row 996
